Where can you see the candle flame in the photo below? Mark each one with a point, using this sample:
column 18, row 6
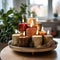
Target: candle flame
column 16, row 31
column 31, row 15
column 24, row 33
column 37, row 19
column 42, row 29
column 31, row 24
column 37, row 32
column 48, row 32
column 22, row 20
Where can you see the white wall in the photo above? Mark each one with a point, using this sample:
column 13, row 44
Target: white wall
column 17, row 3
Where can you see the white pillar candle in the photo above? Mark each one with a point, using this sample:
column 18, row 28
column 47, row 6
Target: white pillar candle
column 15, row 38
column 37, row 39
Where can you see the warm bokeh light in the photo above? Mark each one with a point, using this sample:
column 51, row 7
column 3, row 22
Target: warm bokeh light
column 40, row 7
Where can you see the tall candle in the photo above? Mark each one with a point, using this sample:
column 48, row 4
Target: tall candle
column 31, row 30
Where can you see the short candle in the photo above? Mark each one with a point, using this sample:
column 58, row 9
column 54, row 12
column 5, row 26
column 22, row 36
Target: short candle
column 47, row 38
column 15, row 38
column 23, row 41
column 37, row 39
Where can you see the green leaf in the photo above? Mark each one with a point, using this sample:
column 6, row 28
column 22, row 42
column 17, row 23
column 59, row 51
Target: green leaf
column 1, row 11
column 11, row 22
column 9, row 12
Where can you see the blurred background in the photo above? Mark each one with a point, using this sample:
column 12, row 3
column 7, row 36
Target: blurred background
column 46, row 11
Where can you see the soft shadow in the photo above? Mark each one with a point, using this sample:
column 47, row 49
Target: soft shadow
column 46, row 55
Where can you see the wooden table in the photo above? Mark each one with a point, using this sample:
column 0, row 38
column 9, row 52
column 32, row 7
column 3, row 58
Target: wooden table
column 8, row 54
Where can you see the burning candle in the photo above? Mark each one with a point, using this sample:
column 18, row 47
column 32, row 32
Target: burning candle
column 24, row 41
column 31, row 19
column 47, row 38
column 22, row 20
column 37, row 40
column 42, row 32
column 48, row 32
column 15, row 38
column 22, row 26
column 31, row 30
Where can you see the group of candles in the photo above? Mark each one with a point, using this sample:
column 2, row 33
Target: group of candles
column 27, row 33
column 30, row 29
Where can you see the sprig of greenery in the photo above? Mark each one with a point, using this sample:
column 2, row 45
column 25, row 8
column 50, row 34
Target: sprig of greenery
column 10, row 22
